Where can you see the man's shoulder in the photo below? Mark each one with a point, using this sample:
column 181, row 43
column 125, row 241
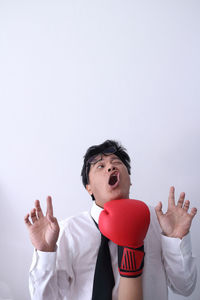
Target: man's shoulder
column 79, row 219
column 75, row 230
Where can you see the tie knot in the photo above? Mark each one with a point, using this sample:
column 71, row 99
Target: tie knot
column 104, row 239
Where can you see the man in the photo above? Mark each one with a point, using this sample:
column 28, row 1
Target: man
column 65, row 254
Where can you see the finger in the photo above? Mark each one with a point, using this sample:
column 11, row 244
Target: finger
column 171, row 199
column 27, row 221
column 38, row 209
column 181, row 200
column 193, row 212
column 49, row 206
column 53, row 221
column 186, row 205
column 158, row 209
column 33, row 215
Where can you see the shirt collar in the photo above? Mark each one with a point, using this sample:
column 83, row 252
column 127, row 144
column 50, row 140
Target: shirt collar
column 95, row 212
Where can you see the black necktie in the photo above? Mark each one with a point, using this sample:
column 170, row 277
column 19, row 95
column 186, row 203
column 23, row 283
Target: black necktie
column 103, row 277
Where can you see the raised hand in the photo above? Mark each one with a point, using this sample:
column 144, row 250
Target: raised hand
column 177, row 220
column 43, row 230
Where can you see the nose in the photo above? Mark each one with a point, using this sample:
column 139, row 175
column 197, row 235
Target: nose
column 111, row 169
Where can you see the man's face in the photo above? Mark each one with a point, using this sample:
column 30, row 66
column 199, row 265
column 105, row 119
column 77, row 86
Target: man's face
column 108, row 179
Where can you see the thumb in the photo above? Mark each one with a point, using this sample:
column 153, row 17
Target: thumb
column 158, row 210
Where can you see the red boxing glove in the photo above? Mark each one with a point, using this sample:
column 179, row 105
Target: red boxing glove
column 125, row 222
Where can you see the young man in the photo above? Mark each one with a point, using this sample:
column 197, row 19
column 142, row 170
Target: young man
column 65, row 254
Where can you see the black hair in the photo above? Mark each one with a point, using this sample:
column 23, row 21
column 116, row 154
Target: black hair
column 97, row 149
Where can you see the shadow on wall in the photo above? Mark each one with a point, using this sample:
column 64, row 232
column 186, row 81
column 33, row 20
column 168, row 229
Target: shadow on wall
column 10, row 243
column 5, row 292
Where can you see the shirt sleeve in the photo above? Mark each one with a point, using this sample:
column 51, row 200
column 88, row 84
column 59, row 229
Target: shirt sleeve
column 51, row 273
column 180, row 265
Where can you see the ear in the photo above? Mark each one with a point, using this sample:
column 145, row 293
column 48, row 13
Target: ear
column 89, row 189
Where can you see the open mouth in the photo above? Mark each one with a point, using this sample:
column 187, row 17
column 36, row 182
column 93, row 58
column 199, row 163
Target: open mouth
column 114, row 179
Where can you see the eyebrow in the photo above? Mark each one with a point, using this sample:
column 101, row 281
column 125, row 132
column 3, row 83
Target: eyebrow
column 115, row 157
column 102, row 159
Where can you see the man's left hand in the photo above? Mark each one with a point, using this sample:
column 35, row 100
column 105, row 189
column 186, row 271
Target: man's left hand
column 177, row 220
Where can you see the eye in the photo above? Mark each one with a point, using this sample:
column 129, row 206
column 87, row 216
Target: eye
column 100, row 166
column 117, row 161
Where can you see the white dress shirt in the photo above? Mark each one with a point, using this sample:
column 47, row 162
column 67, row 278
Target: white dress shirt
column 68, row 273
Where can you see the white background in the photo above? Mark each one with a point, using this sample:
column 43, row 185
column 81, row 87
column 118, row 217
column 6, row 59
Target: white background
column 75, row 73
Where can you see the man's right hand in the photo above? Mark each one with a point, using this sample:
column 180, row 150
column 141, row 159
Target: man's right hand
column 43, row 230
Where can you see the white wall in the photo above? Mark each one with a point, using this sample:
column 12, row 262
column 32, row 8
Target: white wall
column 74, row 73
